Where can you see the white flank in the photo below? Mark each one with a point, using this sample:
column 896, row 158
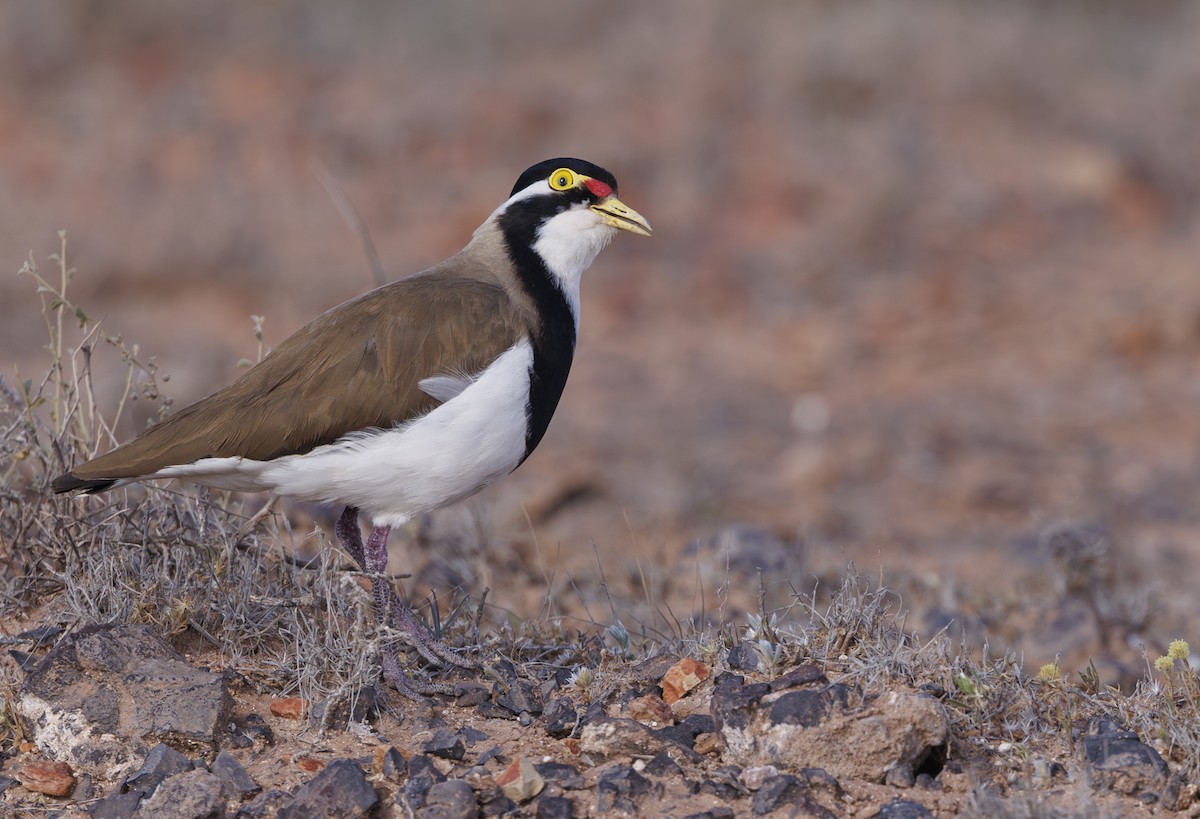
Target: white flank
column 444, row 456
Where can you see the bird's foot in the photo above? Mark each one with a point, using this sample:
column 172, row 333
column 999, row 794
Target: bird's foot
column 408, row 686
column 391, row 610
column 401, row 617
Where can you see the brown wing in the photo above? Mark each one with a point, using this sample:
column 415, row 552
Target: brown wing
column 355, row 367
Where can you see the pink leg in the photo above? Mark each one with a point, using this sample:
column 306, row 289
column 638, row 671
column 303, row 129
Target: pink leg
column 350, row 536
column 391, row 610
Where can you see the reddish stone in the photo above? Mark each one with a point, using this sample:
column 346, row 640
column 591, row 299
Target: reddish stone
column 682, row 678
column 309, row 763
column 520, row 781
column 46, row 776
column 289, row 707
column 651, row 709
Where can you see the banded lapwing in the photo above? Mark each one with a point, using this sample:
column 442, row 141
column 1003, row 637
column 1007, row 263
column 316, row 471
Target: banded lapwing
column 408, row 398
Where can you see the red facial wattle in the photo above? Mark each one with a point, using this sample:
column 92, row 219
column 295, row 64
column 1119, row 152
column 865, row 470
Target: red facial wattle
column 598, row 188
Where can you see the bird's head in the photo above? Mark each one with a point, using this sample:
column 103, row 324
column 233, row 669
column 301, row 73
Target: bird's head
column 583, row 193
column 565, row 211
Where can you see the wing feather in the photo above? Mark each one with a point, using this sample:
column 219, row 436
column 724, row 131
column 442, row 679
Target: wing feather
column 358, row 366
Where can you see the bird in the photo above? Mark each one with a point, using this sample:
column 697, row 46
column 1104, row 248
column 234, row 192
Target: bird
column 410, row 397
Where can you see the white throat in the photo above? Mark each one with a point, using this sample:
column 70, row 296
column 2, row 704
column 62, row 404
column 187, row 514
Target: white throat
column 568, row 244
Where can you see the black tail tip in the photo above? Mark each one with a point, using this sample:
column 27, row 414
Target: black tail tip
column 69, row 483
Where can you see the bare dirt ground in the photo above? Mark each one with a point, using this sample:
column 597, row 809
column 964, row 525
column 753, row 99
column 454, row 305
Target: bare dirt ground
column 923, row 286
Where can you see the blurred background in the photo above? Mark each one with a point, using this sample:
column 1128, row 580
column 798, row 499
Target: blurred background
column 924, row 293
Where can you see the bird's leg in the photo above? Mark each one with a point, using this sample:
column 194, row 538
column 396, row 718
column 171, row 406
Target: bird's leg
column 390, row 609
column 350, row 536
column 397, row 613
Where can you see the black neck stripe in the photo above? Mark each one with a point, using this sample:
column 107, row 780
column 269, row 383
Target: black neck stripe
column 554, row 343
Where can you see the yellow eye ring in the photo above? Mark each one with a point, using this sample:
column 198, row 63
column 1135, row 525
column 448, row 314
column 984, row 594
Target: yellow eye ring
column 563, row 179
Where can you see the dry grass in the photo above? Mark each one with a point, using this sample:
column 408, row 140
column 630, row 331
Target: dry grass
column 182, row 562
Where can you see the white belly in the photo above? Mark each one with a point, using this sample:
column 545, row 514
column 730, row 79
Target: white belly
column 440, row 458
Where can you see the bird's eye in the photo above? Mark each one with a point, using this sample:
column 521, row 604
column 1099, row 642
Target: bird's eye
column 562, row 179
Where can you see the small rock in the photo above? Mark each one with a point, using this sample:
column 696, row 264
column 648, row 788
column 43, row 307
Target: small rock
column 497, row 804
column 479, row 778
column 257, row 730
column 390, row 763
column 6, row 782
column 554, row 807
column 309, row 763
column 116, row 806
column 779, row 791
column 520, row 697
column 809, row 708
column 196, row 794
column 495, row 752
column 24, row 660
column 446, row 744
column 728, row 678
column 752, row 778
column 47, row 776
column 621, row 788
column 708, row 744
column 565, row 776
column 234, row 775
column 473, row 735
column 422, row 774
column 652, row 710
column 742, row 657
column 84, row 789
column 775, row 792
column 521, row 780
column 804, row 675
column 40, row 636
column 264, row 806
column 685, row 732
column 662, row 765
column 733, row 705
column 341, row 791
column 1116, row 760
column 682, row 678
column 751, row 550
column 608, row 737
column 1179, row 793
column 820, row 780
column 903, row 809
column 490, row 710
column 900, row 777
column 289, row 707
column 163, row 761
column 560, row 717
column 452, row 799
column 721, row 789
